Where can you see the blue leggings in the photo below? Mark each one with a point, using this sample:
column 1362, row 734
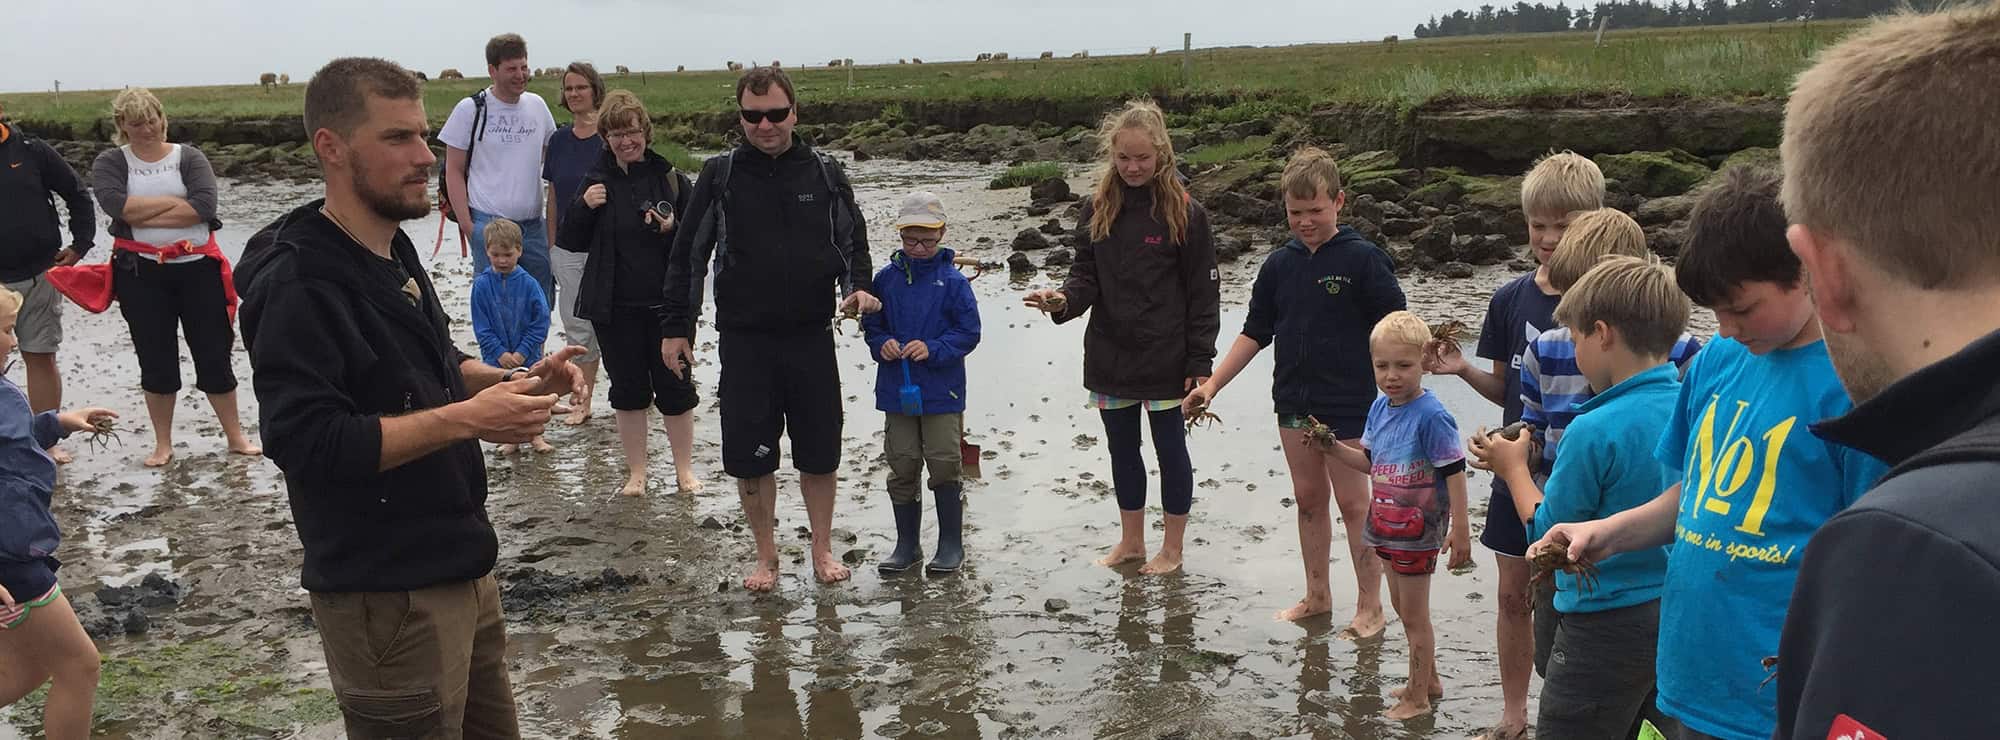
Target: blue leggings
column 1128, row 469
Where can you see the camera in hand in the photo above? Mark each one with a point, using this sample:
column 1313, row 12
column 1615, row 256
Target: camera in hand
column 661, row 209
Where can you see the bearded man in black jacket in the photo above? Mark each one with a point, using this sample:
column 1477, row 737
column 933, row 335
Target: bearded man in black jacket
column 373, row 414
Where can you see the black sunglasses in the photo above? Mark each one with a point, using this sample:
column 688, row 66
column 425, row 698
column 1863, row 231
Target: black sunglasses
column 774, row 115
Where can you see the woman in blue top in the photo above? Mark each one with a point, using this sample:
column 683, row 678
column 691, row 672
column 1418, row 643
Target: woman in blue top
column 571, row 153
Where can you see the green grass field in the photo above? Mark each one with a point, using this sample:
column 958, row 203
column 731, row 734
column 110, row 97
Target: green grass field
column 1707, row 61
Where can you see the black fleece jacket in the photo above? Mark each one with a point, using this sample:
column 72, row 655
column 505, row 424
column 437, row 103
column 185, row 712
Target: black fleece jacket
column 783, row 259
column 335, row 346
column 32, row 176
column 1155, row 305
column 628, row 257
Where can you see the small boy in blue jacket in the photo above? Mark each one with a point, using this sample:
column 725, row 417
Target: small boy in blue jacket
column 1625, row 318
column 928, row 323
column 39, row 634
column 510, row 316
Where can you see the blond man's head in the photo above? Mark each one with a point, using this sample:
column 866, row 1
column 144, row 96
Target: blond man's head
column 1635, row 296
column 1891, row 147
column 1591, row 237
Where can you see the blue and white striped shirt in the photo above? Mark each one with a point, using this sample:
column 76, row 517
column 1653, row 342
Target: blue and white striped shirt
column 1552, row 388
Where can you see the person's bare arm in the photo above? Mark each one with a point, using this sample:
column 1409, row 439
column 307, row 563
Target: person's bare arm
column 160, row 211
column 1351, row 456
column 454, row 182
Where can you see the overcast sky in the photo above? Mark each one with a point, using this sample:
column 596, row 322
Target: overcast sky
column 90, row 44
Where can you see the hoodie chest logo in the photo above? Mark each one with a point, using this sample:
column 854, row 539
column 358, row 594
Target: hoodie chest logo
column 1155, row 240
column 808, row 197
column 1333, row 283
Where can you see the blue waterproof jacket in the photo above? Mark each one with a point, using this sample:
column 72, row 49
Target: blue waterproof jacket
column 931, row 301
column 509, row 314
column 27, row 479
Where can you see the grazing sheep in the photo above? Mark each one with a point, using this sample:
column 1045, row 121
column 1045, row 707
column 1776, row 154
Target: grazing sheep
column 902, row 61
column 984, row 58
column 1080, row 55
column 284, row 79
column 833, row 62
column 421, row 77
column 1000, row 56
column 1048, row 55
column 623, row 70
column 914, row 60
column 1390, row 41
column 451, row 74
column 1152, row 51
column 267, row 79
column 680, row 68
column 846, row 62
column 775, row 64
column 735, row 66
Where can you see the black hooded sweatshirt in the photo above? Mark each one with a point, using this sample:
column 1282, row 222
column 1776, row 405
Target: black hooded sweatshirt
column 1155, row 306
column 336, row 345
column 782, row 261
column 32, row 176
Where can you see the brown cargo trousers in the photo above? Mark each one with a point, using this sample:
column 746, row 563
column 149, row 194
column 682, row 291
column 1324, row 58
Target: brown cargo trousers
column 428, row 664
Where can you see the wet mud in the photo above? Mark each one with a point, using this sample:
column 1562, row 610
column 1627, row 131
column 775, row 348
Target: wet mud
column 626, row 617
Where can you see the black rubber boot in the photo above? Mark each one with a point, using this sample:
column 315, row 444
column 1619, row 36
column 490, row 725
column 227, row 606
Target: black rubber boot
column 951, row 528
column 909, row 529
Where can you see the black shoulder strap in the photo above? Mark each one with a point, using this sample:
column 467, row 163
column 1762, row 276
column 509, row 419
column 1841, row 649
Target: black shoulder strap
column 478, row 127
column 1978, row 444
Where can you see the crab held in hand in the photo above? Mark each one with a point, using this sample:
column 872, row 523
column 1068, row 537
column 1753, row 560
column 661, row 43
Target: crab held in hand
column 1552, row 559
column 1319, row 435
column 1201, row 418
column 1453, row 331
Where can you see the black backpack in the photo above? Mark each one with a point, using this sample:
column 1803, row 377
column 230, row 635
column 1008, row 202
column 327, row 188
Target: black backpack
column 478, row 132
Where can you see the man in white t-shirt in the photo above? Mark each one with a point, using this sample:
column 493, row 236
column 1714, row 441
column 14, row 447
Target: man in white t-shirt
column 506, row 167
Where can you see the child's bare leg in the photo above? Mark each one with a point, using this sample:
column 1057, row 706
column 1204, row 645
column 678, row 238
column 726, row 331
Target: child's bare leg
column 579, row 398
column 680, row 436
column 1516, row 642
column 1350, row 493
column 1169, row 559
column 1315, row 521
column 632, row 436
column 1412, row 595
column 1131, row 539
column 53, row 642
column 541, row 445
column 160, row 410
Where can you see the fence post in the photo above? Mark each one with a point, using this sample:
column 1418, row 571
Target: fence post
column 1601, row 24
column 1187, row 49
column 58, row 93
column 850, row 75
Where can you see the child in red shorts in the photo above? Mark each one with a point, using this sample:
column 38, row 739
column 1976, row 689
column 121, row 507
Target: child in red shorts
column 1410, row 448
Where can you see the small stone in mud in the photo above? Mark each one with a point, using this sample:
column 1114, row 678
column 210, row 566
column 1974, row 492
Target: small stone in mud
column 1084, row 441
column 711, row 523
column 1030, row 240
column 1059, row 258
column 854, row 556
column 154, row 590
column 1285, row 502
column 1052, row 228
column 1019, row 262
column 1055, row 605
column 1456, row 270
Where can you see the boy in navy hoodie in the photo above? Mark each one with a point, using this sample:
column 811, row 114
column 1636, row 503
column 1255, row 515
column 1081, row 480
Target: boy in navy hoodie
column 1318, row 297
column 509, row 315
column 928, row 323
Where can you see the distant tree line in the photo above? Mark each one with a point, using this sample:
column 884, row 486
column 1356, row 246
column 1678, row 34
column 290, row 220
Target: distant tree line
column 1539, row 18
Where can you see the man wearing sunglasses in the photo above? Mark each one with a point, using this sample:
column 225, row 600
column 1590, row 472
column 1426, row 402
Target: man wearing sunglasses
column 784, row 232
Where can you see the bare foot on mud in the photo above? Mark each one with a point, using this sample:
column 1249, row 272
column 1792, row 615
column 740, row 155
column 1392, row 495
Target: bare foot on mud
column 1161, row 564
column 1406, row 709
column 244, row 448
column 1437, row 689
column 1122, row 554
column 635, row 487
column 507, row 450
column 61, row 456
column 829, row 568
column 1503, row 732
column 577, row 416
column 1364, row 626
column 1307, row 607
column 560, row 408
column 689, row 484
column 542, row 445
column 763, row 579
column 160, row 457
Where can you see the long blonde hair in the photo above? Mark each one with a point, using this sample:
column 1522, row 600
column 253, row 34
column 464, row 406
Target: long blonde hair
column 1170, row 197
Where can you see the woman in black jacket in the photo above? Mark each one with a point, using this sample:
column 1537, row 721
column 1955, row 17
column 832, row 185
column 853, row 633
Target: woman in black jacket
column 1147, row 265
column 624, row 216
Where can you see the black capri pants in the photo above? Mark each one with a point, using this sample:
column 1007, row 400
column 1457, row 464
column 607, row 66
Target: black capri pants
column 630, row 343
column 156, row 300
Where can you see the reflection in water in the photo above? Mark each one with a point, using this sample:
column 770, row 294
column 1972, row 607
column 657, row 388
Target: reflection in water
column 670, row 689
column 1152, row 686
column 943, row 645
column 830, row 700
